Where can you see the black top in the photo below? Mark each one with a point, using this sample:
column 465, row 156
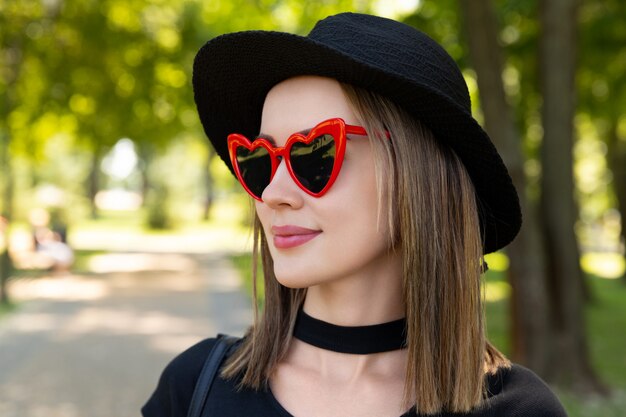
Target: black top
column 517, row 392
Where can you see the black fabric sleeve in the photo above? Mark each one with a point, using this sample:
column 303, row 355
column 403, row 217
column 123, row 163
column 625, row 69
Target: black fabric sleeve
column 521, row 393
column 178, row 380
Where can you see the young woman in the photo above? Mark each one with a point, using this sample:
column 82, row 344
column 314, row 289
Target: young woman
column 376, row 195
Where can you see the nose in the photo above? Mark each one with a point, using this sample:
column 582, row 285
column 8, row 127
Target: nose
column 282, row 191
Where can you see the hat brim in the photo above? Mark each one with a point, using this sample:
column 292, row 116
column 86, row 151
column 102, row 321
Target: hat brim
column 233, row 73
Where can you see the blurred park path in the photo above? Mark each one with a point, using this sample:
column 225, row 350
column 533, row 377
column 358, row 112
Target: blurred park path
column 94, row 345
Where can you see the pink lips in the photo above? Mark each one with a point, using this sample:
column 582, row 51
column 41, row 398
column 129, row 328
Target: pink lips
column 289, row 236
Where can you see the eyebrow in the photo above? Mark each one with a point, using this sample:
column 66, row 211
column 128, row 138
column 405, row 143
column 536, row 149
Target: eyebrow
column 270, row 138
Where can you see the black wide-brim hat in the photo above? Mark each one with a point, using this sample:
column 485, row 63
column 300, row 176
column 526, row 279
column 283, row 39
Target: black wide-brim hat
column 233, row 73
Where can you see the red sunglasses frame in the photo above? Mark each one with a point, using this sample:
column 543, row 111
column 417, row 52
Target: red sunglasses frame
column 335, row 127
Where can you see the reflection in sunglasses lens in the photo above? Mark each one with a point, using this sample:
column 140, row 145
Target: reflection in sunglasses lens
column 255, row 168
column 313, row 163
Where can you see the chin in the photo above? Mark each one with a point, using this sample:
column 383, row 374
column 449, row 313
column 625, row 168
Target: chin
column 293, row 285
column 293, row 281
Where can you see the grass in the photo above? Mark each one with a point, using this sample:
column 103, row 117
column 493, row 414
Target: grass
column 82, row 258
column 228, row 211
column 606, row 329
column 606, row 325
column 120, row 230
column 594, row 406
column 243, row 264
column 497, row 310
column 5, row 309
column 606, row 322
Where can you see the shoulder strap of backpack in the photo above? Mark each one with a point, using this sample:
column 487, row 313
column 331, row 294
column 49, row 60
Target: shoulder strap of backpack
column 207, row 375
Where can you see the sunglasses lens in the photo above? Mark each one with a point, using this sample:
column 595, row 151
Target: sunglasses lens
column 255, row 167
column 313, row 163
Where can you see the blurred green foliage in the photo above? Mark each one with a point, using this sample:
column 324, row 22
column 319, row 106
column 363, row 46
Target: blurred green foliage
column 78, row 75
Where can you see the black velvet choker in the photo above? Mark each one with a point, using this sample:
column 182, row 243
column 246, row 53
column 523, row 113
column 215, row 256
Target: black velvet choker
column 360, row 340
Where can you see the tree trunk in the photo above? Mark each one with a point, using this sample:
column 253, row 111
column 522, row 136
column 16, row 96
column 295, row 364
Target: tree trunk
column 526, row 272
column 93, row 184
column 146, row 183
column 145, row 154
column 6, row 266
column 569, row 361
column 616, row 157
column 6, row 270
column 12, row 57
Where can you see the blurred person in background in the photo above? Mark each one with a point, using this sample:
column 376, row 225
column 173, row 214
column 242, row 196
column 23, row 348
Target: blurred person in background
column 50, row 240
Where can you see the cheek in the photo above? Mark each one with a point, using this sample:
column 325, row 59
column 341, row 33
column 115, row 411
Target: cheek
column 358, row 218
column 353, row 216
column 357, row 193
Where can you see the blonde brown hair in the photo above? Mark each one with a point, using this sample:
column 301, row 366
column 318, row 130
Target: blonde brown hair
column 432, row 210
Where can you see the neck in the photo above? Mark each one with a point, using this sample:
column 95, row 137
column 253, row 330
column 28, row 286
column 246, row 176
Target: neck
column 349, row 302
column 349, row 356
column 357, row 301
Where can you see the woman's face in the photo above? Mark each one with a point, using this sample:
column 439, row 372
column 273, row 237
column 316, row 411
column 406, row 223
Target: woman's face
column 334, row 237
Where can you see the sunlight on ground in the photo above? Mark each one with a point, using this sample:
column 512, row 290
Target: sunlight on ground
column 198, row 240
column 126, row 230
column 127, row 321
column 72, row 288
column 34, row 322
column 164, row 332
column 134, row 262
column 123, row 267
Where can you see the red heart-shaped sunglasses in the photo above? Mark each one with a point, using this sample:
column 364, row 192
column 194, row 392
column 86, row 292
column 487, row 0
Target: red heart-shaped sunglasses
column 313, row 160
